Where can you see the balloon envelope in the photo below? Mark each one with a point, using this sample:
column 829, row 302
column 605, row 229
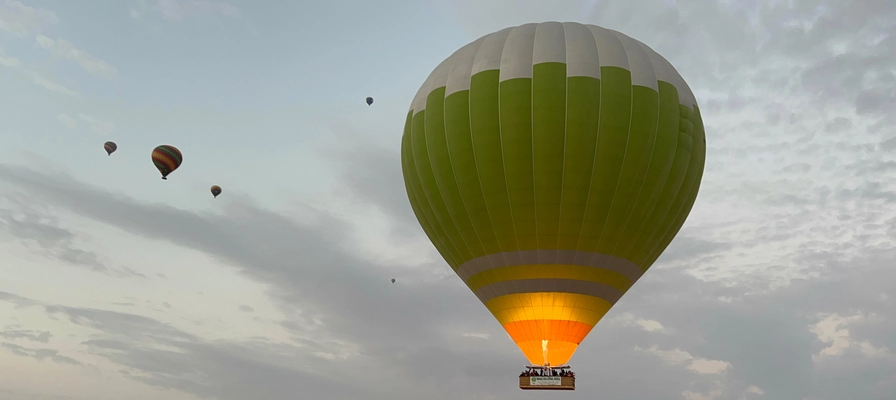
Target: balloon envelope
column 216, row 190
column 110, row 147
column 166, row 158
column 551, row 164
column 369, row 101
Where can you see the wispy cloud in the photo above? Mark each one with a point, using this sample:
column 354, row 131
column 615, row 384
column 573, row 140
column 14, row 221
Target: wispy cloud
column 67, row 120
column 30, row 335
column 97, row 125
column 35, row 77
column 40, row 354
column 66, row 50
column 51, row 240
column 683, row 358
column 22, row 20
column 177, row 10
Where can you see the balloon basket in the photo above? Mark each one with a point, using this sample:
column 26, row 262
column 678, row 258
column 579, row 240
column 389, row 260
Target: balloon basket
column 547, row 378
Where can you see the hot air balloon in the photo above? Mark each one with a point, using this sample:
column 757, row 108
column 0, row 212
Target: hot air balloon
column 369, row 101
column 393, row 280
column 216, row 190
column 110, row 147
column 166, row 159
column 550, row 165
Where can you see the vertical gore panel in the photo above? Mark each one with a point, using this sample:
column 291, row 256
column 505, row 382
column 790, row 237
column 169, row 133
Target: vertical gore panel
column 582, row 119
column 406, row 158
column 548, row 141
column 661, row 158
column 686, row 145
column 615, row 114
column 690, row 187
column 656, row 227
column 437, row 148
column 463, row 164
column 418, row 200
column 430, row 190
column 641, row 139
column 548, row 137
column 515, row 110
column 488, row 168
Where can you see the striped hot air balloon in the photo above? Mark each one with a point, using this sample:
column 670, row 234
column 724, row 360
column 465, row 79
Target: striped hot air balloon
column 110, row 147
column 166, row 158
column 551, row 164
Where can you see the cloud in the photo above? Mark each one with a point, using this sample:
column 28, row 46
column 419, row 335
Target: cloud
column 177, row 10
column 22, row 20
column 649, row 325
column 66, row 50
column 160, row 355
column 97, row 125
column 753, row 389
column 15, row 299
column 683, row 358
column 20, row 219
column 17, row 395
column 30, row 335
column 67, row 120
column 833, row 330
column 39, row 354
column 477, row 335
column 35, row 77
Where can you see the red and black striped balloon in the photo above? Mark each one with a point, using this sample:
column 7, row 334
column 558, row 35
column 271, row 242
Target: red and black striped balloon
column 166, row 159
column 110, row 147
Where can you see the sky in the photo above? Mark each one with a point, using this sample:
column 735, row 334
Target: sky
column 115, row 284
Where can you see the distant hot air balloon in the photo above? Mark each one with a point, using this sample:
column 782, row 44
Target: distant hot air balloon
column 393, row 280
column 166, row 159
column 216, row 190
column 110, row 147
column 551, row 164
column 369, row 101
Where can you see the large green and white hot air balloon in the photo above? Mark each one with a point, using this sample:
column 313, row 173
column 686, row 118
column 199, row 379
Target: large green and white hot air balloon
column 551, row 164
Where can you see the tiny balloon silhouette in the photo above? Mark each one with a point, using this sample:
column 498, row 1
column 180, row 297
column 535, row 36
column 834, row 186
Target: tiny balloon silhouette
column 216, row 190
column 166, row 158
column 369, row 101
column 110, row 147
column 393, row 280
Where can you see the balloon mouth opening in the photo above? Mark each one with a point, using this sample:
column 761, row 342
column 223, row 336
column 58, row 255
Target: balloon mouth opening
column 558, row 352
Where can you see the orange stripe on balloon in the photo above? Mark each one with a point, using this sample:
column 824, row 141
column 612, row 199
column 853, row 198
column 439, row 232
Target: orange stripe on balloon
column 552, row 329
column 563, row 338
column 164, row 159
